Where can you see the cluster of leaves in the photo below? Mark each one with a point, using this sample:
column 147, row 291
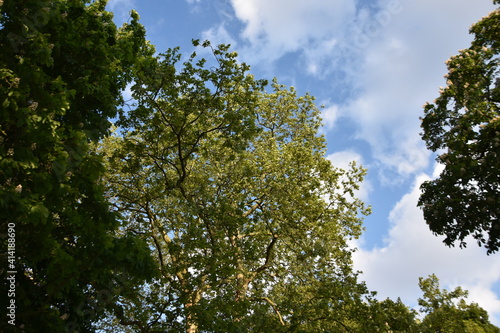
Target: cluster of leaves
column 62, row 68
column 448, row 311
column 463, row 125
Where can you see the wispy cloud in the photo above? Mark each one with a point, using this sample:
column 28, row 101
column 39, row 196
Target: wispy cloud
column 400, row 69
column 278, row 27
column 329, row 114
column 219, row 35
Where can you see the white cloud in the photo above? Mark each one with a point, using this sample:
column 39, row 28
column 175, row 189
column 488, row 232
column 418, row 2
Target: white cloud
column 329, row 114
column 388, row 120
column 275, row 28
column 318, row 57
column 324, row 32
column 438, row 168
column 411, row 251
column 344, row 158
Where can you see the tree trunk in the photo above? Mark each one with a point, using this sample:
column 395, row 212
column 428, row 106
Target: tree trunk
column 191, row 324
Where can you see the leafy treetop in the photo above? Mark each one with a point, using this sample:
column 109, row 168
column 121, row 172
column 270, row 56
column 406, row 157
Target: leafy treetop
column 462, row 125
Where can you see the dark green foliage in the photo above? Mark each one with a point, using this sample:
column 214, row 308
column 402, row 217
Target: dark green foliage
column 463, row 126
column 62, row 68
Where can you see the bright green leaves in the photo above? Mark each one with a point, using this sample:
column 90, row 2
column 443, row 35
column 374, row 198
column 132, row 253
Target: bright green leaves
column 387, row 316
column 229, row 185
column 447, row 311
column 435, row 298
column 464, row 120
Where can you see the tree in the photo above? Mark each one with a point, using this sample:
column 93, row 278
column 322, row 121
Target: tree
column 387, row 316
column 463, row 125
column 63, row 66
column 448, row 311
column 229, row 185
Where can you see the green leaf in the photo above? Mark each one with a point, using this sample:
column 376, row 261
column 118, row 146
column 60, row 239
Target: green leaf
column 59, row 167
column 38, row 213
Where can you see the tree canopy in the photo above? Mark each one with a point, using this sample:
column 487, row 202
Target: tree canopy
column 229, row 184
column 463, row 126
column 62, row 68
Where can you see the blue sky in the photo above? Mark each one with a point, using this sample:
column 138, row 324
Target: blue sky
column 372, row 64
